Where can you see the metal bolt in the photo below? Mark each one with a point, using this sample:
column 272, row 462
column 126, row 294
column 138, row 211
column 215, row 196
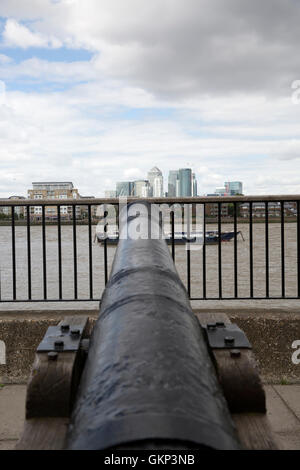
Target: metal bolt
column 65, row 327
column 52, row 356
column 235, row 353
column 75, row 333
column 229, row 340
column 59, row 345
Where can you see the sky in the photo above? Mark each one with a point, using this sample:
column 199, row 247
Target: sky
column 99, row 91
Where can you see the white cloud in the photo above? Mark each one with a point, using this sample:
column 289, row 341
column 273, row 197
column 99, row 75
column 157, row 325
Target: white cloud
column 219, row 72
column 18, row 35
column 47, row 132
column 2, row 93
column 73, row 131
column 169, row 47
column 4, row 59
column 133, row 173
column 43, row 71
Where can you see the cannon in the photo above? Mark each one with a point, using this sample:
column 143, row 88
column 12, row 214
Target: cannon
column 150, row 374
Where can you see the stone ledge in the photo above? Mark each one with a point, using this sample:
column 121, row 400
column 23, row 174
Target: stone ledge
column 270, row 332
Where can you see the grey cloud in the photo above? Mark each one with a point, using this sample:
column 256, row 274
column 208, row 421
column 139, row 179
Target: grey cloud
column 212, row 47
column 181, row 48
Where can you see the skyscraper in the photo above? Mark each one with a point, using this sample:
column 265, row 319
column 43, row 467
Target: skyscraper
column 194, row 185
column 124, row 188
column 141, row 188
column 153, row 174
column 158, row 187
column 185, row 182
column 173, row 177
column 177, row 187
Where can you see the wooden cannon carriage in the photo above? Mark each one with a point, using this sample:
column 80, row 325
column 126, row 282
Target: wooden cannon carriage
column 151, row 374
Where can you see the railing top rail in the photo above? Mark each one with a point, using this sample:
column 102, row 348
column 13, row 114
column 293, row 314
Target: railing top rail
column 154, row 200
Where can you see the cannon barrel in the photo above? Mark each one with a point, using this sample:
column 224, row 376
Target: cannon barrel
column 149, row 377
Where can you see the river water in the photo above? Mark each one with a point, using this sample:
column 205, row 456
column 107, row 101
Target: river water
column 181, row 264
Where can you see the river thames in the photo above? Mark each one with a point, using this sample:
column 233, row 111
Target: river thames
column 243, row 270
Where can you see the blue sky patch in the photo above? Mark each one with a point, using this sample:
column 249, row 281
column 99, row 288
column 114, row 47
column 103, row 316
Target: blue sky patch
column 62, row 54
column 147, row 113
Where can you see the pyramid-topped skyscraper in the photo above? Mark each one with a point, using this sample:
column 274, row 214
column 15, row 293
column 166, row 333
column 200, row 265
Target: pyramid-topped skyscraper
column 156, row 181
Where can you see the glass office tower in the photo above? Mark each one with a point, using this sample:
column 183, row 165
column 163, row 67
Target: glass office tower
column 185, row 182
column 173, row 177
column 233, row 187
column 124, row 188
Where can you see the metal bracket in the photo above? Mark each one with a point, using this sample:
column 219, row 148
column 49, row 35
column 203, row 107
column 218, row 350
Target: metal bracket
column 226, row 336
column 61, row 338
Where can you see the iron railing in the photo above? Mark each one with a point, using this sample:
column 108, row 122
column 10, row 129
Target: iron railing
column 55, row 258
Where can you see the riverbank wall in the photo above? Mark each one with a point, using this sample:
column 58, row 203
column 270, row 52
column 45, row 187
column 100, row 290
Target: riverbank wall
column 271, row 332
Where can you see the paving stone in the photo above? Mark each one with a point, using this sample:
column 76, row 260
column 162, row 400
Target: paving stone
column 291, row 395
column 284, row 422
column 280, row 417
column 8, row 445
column 288, row 441
column 12, row 411
column 285, row 425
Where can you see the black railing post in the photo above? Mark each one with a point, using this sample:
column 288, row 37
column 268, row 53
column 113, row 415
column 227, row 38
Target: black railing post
column 28, row 252
column 13, row 240
column 251, row 249
column 188, row 251
column 44, row 252
column 173, row 233
column 267, row 247
column 90, row 253
column 105, row 248
column 204, row 254
column 219, row 249
column 282, row 250
column 75, row 252
column 235, row 250
column 59, row 252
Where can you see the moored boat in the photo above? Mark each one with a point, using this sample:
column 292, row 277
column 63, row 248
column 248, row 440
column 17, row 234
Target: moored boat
column 180, row 238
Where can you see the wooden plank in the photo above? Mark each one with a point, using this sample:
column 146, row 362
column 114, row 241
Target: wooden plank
column 52, row 384
column 240, row 380
column 237, row 372
column 44, row 434
column 254, row 431
column 239, row 377
column 51, row 392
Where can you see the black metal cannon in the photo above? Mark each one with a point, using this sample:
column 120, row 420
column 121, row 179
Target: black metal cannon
column 149, row 380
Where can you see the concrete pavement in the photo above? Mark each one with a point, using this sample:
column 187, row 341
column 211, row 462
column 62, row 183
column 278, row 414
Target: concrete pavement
column 12, row 414
column 283, row 403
